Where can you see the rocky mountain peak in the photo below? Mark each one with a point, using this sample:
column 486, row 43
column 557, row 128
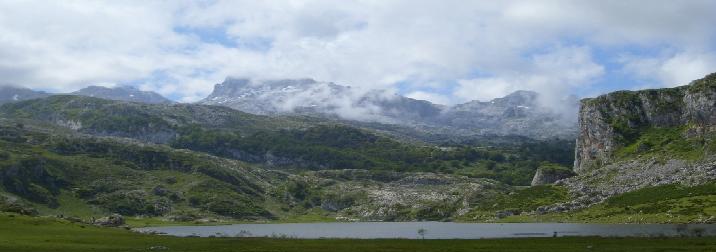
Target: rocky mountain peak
column 518, row 100
column 277, row 96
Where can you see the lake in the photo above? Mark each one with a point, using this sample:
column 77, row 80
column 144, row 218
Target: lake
column 434, row 230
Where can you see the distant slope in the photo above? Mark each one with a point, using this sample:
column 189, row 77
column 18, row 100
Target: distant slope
column 123, row 93
column 13, row 94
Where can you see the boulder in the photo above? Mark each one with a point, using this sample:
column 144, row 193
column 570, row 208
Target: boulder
column 114, row 220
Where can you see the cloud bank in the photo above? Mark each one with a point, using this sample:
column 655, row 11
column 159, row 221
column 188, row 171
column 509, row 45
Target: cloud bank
column 444, row 51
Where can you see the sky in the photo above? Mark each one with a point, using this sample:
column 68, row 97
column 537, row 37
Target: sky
column 443, row 51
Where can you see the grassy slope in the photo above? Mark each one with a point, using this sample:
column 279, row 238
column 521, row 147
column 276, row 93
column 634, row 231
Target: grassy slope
column 19, row 234
column 661, row 204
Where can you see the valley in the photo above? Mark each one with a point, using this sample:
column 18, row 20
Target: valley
column 85, row 157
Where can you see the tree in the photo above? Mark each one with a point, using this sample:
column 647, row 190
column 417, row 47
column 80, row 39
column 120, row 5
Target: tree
column 422, row 232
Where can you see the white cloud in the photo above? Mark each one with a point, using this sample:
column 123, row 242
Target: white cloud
column 670, row 69
column 65, row 45
column 431, row 97
column 484, row 89
column 553, row 74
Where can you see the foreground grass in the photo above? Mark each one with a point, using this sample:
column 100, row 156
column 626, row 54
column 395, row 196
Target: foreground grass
column 19, row 234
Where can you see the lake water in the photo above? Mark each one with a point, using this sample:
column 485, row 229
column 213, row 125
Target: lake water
column 434, row 230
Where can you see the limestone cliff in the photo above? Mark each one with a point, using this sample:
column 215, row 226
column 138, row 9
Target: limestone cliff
column 614, row 120
column 550, row 174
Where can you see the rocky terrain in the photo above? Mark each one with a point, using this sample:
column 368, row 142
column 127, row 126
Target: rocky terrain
column 359, row 194
column 549, row 174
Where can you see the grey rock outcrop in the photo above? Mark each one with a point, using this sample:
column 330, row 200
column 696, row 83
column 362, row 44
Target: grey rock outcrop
column 544, row 176
column 611, row 120
column 114, row 220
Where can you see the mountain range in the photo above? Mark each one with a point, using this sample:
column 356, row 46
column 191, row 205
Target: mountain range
column 520, row 113
column 120, row 93
column 13, row 94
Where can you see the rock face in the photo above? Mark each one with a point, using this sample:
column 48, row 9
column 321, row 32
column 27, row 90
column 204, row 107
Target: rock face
column 519, row 113
column 123, row 93
column 612, row 120
column 13, row 94
column 545, row 176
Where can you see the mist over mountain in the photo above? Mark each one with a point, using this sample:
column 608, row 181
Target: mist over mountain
column 307, row 96
column 520, row 113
